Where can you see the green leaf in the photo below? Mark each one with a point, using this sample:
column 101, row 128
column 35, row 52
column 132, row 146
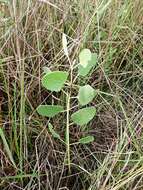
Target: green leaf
column 86, row 94
column 53, row 132
column 84, row 57
column 83, row 116
column 83, row 71
column 54, row 81
column 86, row 140
column 49, row 110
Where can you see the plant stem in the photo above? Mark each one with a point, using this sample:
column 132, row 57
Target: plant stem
column 67, row 132
column 68, row 117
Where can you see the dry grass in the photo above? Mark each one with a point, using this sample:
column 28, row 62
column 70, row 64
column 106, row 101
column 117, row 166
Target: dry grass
column 31, row 33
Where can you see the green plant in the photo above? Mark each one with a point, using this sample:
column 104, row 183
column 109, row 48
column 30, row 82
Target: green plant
column 55, row 82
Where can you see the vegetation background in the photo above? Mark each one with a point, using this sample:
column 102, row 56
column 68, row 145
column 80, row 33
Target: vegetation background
column 30, row 39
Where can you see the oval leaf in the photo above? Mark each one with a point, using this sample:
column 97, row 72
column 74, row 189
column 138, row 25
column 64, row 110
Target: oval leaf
column 83, row 116
column 84, row 57
column 86, row 140
column 83, row 71
column 49, row 110
column 86, row 94
column 54, row 81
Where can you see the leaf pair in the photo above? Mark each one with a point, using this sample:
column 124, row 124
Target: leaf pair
column 53, row 81
column 81, row 117
column 87, row 61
